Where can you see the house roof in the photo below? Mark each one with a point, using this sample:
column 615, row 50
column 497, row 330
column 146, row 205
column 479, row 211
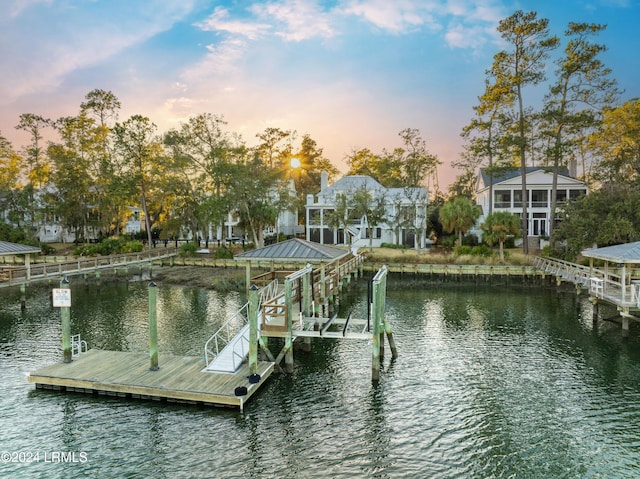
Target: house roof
column 7, row 248
column 515, row 172
column 351, row 183
column 620, row 253
column 295, row 249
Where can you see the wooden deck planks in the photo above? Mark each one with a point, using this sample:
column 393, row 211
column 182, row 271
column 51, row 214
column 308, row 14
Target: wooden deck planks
column 126, row 373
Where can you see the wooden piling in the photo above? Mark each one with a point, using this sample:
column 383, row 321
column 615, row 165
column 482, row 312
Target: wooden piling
column 153, row 327
column 23, row 297
column 65, row 316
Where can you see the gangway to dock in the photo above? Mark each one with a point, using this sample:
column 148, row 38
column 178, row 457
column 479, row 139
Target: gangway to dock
column 226, row 350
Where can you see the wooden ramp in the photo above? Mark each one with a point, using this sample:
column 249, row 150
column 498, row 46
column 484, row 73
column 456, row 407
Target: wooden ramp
column 126, row 374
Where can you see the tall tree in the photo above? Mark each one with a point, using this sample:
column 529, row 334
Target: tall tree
column 11, row 180
column 275, row 147
column 141, row 160
column 604, row 217
column 107, row 192
column 253, row 191
column 37, row 162
column 203, row 152
column 617, row 144
column 582, row 88
column 72, row 173
column 420, row 166
column 386, row 169
column 312, row 164
column 485, row 137
column 522, row 65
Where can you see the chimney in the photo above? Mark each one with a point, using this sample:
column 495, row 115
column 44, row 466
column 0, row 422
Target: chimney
column 324, row 180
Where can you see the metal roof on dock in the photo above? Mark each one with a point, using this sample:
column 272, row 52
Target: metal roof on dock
column 7, row 248
column 620, row 253
column 295, row 248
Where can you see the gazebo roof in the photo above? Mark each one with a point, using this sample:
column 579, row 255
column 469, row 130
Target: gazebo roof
column 7, row 249
column 620, row 253
column 295, row 249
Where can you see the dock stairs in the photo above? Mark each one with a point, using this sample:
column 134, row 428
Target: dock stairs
column 227, row 349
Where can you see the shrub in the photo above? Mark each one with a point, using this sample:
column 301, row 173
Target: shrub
column 222, row 252
column 189, row 249
column 112, row 245
column 403, row 247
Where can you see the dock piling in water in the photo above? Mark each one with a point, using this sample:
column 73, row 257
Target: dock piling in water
column 65, row 316
column 153, row 326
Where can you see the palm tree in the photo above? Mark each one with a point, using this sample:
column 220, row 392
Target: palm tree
column 498, row 226
column 459, row 216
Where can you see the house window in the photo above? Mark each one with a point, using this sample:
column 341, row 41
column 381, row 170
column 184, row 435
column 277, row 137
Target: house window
column 314, row 217
column 517, row 199
column 539, row 198
column 575, row 194
column 561, row 196
column 502, row 199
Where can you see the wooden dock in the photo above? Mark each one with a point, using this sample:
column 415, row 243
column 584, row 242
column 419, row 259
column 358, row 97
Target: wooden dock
column 44, row 270
column 125, row 374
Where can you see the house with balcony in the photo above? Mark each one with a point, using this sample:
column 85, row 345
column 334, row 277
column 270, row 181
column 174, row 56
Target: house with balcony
column 404, row 222
column 503, row 192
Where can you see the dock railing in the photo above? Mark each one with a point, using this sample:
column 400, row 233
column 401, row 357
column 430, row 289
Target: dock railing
column 41, row 269
column 229, row 331
column 607, row 285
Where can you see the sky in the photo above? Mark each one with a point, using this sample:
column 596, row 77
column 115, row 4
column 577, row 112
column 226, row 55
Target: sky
column 349, row 73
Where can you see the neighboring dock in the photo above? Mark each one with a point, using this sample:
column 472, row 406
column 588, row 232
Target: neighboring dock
column 20, row 275
column 124, row 374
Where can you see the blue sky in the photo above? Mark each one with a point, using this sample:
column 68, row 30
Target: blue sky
column 350, row 73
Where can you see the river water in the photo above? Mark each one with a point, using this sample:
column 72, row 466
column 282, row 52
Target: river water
column 492, row 381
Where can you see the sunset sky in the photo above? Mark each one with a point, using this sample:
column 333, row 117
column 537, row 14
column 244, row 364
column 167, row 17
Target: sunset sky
column 350, row 73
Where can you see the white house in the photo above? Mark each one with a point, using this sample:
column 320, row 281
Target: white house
column 405, row 214
column 507, row 195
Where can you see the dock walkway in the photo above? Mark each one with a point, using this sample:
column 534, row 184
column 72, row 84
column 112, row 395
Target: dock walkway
column 42, row 271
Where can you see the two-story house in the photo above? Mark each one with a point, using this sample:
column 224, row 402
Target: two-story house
column 507, row 195
column 404, row 222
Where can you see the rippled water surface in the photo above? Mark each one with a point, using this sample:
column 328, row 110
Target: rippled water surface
column 491, row 382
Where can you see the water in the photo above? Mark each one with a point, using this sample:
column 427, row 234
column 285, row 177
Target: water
column 491, row 382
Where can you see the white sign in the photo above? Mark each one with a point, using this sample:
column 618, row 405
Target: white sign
column 61, row 297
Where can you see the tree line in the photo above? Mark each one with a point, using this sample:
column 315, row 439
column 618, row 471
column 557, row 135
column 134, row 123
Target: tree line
column 184, row 180
column 193, row 176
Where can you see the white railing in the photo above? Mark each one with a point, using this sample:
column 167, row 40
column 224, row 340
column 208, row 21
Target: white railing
column 229, row 334
column 601, row 284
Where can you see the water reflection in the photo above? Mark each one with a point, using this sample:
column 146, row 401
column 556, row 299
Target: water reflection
column 489, row 382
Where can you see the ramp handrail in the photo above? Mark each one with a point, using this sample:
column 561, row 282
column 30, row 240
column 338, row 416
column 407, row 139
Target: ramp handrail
column 232, row 326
